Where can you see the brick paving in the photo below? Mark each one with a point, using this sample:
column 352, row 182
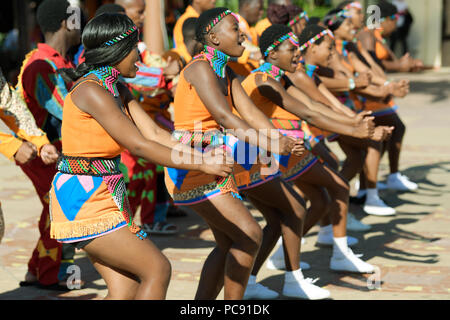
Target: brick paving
column 411, row 249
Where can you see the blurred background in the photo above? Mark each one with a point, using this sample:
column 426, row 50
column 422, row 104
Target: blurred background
column 428, row 39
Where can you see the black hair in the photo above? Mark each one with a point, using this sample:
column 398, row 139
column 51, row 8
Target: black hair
column 308, row 33
column 277, row 13
column 336, row 22
column 204, row 20
column 51, row 13
column 272, row 34
column 99, row 30
column 109, row 8
column 293, row 11
column 386, row 9
column 188, row 29
column 313, row 21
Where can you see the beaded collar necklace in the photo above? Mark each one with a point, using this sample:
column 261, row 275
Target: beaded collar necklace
column 271, row 70
column 217, row 59
column 108, row 77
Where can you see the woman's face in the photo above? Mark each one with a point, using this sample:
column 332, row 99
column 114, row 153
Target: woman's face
column 127, row 67
column 229, row 37
column 345, row 30
column 287, row 56
column 357, row 18
column 321, row 53
column 388, row 25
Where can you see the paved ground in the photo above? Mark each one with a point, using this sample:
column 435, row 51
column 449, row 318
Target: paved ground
column 411, row 249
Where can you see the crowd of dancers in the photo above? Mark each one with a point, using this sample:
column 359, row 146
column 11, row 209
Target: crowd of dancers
column 106, row 120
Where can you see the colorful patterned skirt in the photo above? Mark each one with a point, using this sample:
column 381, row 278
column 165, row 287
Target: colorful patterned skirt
column 292, row 166
column 88, row 199
column 188, row 187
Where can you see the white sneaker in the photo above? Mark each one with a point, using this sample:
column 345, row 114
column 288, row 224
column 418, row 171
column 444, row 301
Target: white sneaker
column 354, row 224
column 349, row 262
column 259, row 292
column 381, row 186
column 304, row 289
column 375, row 206
column 397, row 181
column 325, row 238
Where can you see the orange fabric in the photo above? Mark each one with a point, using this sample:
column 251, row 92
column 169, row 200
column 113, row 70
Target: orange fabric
column 189, row 108
column 83, row 136
column 178, row 29
column 262, row 25
column 381, row 52
column 270, row 109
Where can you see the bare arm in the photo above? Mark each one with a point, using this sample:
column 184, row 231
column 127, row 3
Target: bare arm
column 94, row 100
column 276, row 93
column 153, row 35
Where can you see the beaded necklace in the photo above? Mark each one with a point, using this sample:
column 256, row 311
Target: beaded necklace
column 108, row 76
column 310, row 69
column 217, row 59
column 271, row 70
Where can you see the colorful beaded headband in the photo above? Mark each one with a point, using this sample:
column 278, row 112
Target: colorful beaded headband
column 317, row 37
column 393, row 17
column 298, row 18
column 292, row 38
column 342, row 13
column 354, row 4
column 219, row 18
column 120, row 37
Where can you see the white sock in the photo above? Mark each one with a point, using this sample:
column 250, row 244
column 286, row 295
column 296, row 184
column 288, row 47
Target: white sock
column 394, row 175
column 361, row 193
column 326, row 229
column 372, row 194
column 292, row 276
column 252, row 279
column 340, row 246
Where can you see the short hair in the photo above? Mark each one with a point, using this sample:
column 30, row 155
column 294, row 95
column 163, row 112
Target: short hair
column 386, row 9
column 272, row 34
column 51, row 13
column 110, row 8
column 313, row 20
column 188, row 28
column 204, row 20
column 310, row 32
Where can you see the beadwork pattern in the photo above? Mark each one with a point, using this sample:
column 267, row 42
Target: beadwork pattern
column 271, row 70
column 298, row 18
column 219, row 18
column 120, row 37
column 290, row 36
column 109, row 77
column 311, row 41
column 217, row 59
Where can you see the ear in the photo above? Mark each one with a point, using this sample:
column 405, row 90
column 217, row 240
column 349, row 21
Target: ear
column 273, row 54
column 212, row 37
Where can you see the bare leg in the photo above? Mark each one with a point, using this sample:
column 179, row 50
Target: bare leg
column 123, row 253
column 230, row 219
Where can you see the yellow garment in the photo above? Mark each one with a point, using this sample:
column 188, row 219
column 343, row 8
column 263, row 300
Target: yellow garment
column 15, row 114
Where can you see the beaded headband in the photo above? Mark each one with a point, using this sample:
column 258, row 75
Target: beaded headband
column 298, row 18
column 120, row 37
column 219, row 18
column 342, row 13
column 317, row 37
column 290, row 36
column 393, row 17
column 354, row 4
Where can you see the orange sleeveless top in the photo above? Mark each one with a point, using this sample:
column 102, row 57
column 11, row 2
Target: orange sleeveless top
column 189, row 108
column 270, row 109
column 82, row 135
column 381, row 52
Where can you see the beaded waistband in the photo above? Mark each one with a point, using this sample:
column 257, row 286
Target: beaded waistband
column 88, row 166
column 199, row 138
column 287, row 124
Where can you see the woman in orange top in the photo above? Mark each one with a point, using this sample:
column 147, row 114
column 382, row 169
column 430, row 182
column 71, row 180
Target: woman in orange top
column 89, row 205
column 277, row 98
